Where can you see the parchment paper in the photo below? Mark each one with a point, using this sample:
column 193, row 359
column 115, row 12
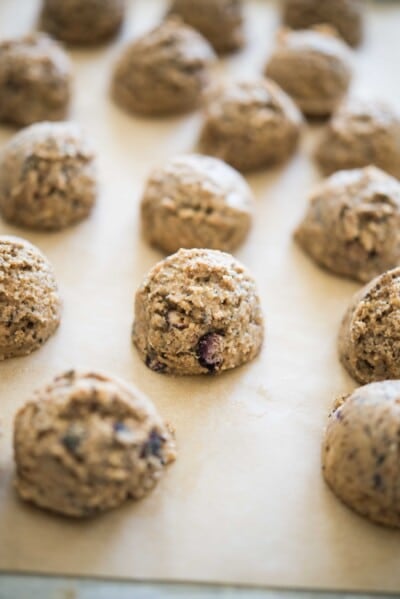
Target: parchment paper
column 245, row 502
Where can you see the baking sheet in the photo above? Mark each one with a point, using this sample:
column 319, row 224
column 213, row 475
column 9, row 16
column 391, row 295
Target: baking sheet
column 245, row 502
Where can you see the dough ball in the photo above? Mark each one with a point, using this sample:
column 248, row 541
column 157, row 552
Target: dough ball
column 352, row 224
column 47, row 177
column 82, row 22
column 345, row 15
column 35, row 80
column 220, row 21
column 360, row 457
column 250, row 124
column 30, row 305
column 314, row 67
column 197, row 312
column 196, row 201
column 369, row 337
column 361, row 133
column 163, row 72
column 86, row 443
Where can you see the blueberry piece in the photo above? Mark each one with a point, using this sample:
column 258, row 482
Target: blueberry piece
column 154, row 364
column 153, row 446
column 209, row 351
column 72, row 439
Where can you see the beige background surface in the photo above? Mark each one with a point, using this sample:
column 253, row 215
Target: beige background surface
column 245, row 502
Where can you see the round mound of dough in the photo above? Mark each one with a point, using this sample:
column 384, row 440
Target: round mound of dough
column 30, row 305
column 369, row 337
column 197, row 312
column 352, row 224
column 314, row 67
column 251, row 124
column 82, row 22
column 220, row 21
column 47, row 177
column 163, row 72
column 360, row 454
column 346, row 16
column 361, row 133
column 35, row 80
column 86, row 443
column 196, row 201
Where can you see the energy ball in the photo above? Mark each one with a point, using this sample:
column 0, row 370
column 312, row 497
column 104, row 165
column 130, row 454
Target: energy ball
column 352, row 224
column 196, row 201
column 369, row 336
column 220, row 21
column 86, row 443
column 312, row 66
column 361, row 133
column 163, row 72
column 197, row 312
column 250, row 124
column 345, row 15
column 47, row 177
column 35, row 80
column 82, row 22
column 360, row 458
column 30, row 304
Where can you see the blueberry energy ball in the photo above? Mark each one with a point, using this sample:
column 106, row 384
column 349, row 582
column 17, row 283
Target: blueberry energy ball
column 352, row 224
column 86, row 443
column 196, row 201
column 314, row 67
column 47, row 177
column 220, row 21
column 163, row 72
column 360, row 456
column 82, row 22
column 35, row 80
column 30, row 304
column 197, row 312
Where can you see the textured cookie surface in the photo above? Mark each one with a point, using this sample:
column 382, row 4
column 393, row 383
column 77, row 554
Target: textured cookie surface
column 220, row 21
column 250, row 124
column 197, row 312
column 361, row 133
column 35, row 80
column 163, row 72
column 29, row 301
column 196, row 201
column 345, row 15
column 313, row 66
column 82, row 23
column 369, row 337
column 86, row 443
column 47, row 177
column 361, row 453
column 352, row 224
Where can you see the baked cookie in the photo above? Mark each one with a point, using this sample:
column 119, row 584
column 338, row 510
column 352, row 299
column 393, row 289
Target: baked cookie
column 360, row 456
column 345, row 15
column 30, row 305
column 369, row 336
column 220, row 21
column 352, row 224
column 197, row 312
column 313, row 66
column 35, row 80
column 250, row 124
column 47, row 177
column 196, row 201
column 361, row 133
column 163, row 72
column 82, row 23
column 86, row 443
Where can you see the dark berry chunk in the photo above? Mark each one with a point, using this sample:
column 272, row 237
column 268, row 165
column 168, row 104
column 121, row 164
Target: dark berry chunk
column 154, row 364
column 153, row 445
column 209, row 351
